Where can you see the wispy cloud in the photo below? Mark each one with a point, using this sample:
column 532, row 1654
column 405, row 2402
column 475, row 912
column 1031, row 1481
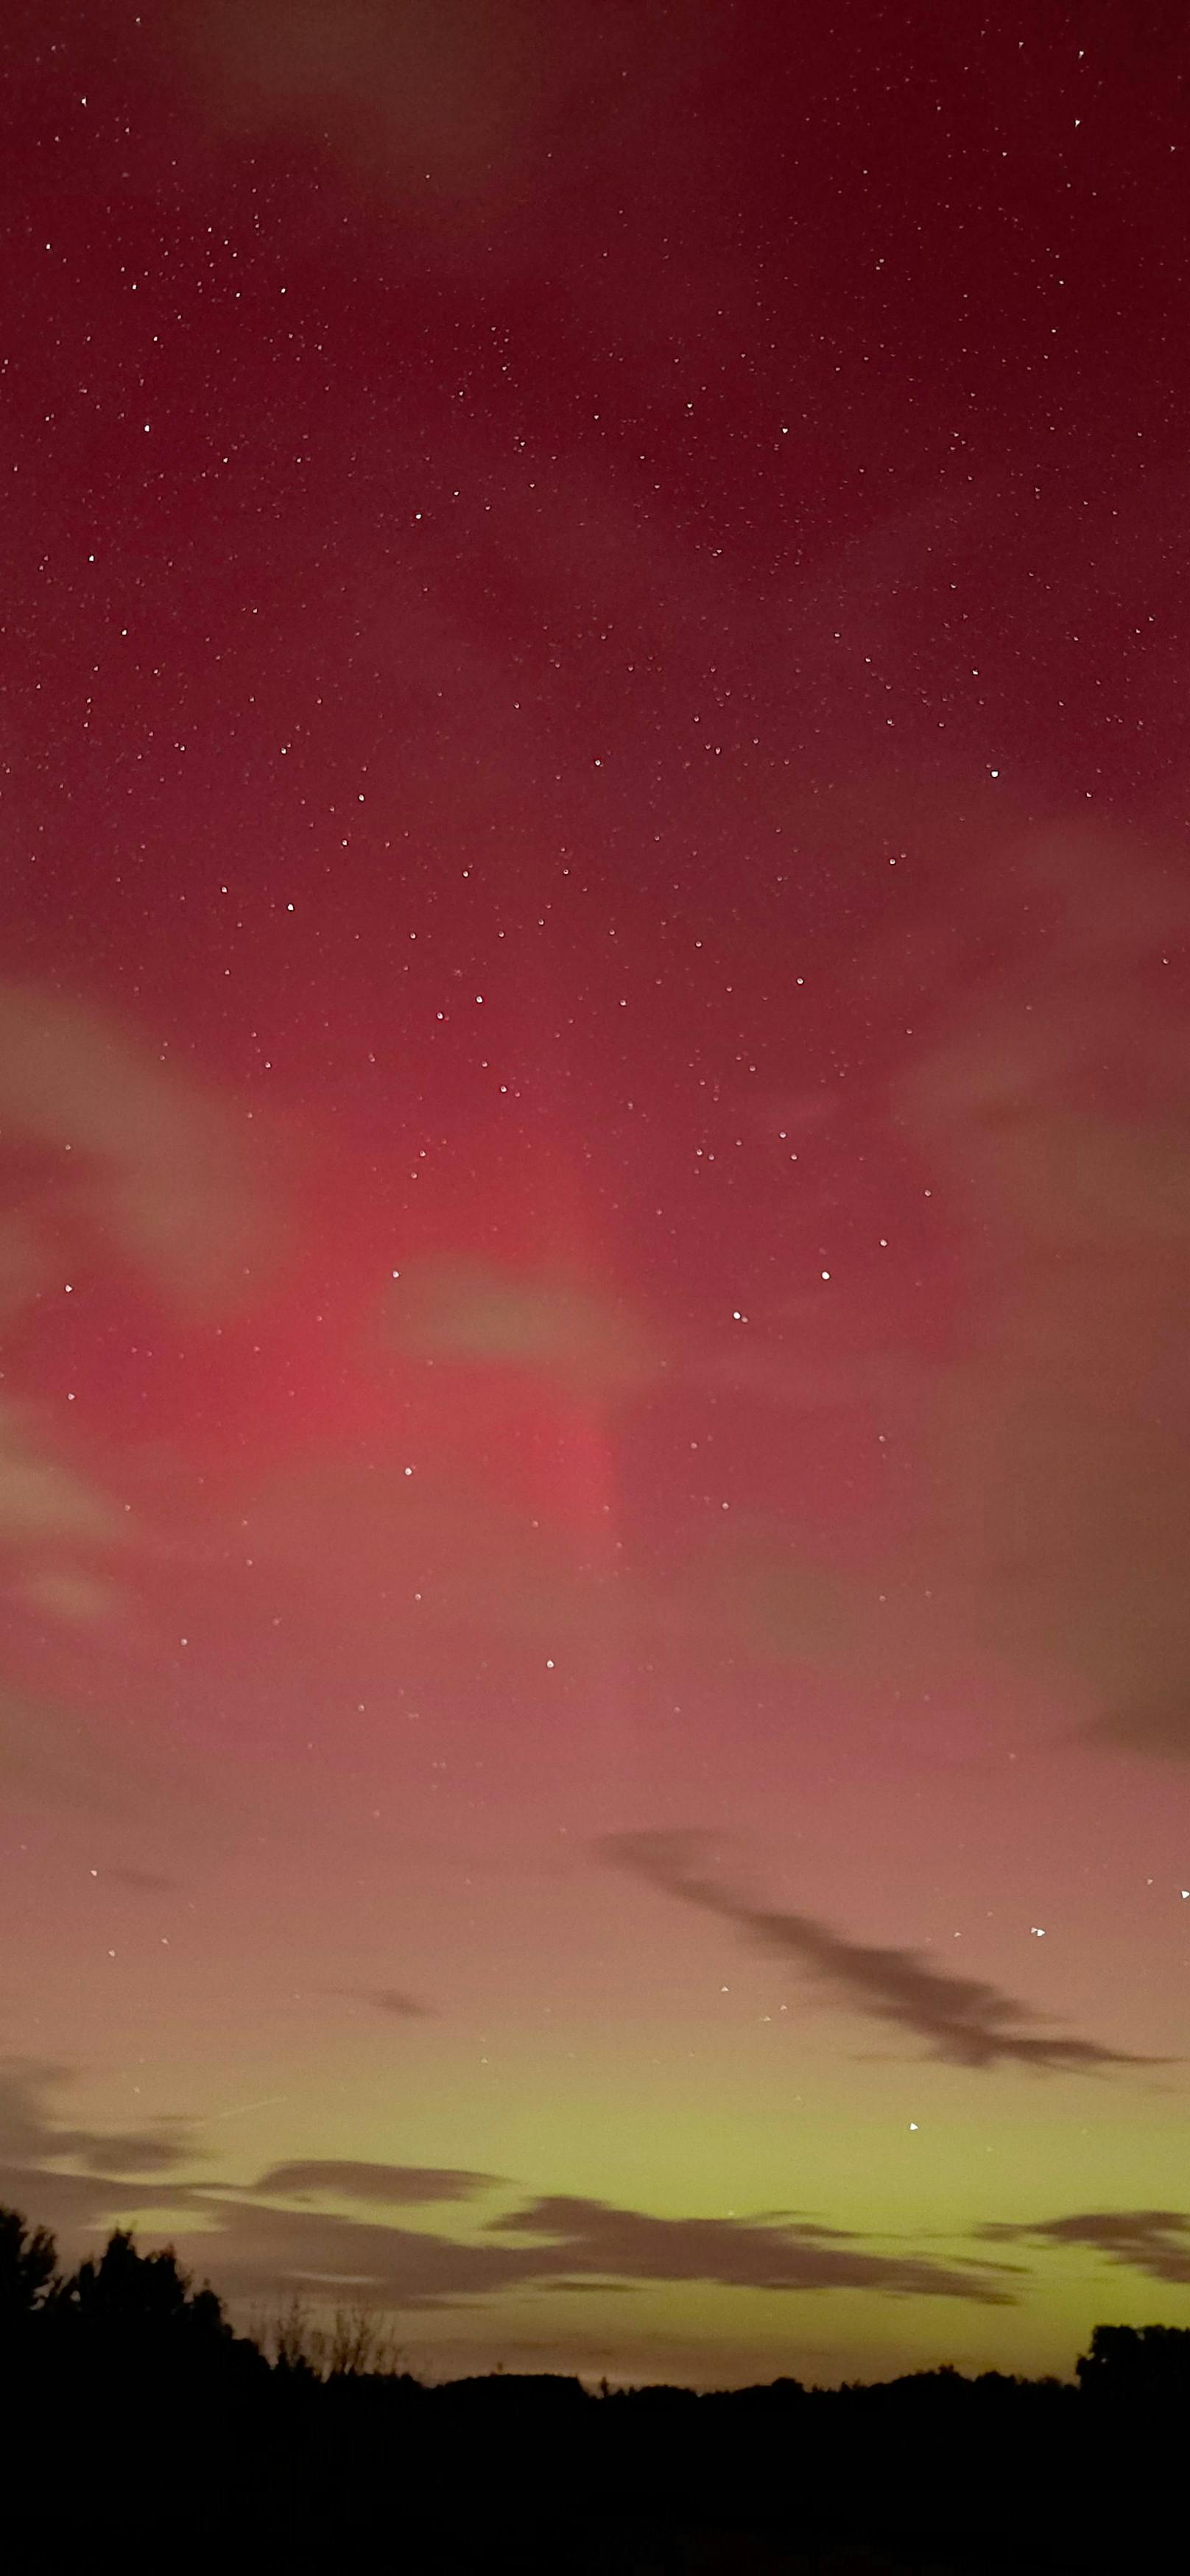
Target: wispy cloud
column 385, row 1999
column 587, row 2236
column 1153, row 2241
column 1057, row 1440
column 440, row 104
column 148, row 1167
column 963, row 2020
column 146, row 1882
column 565, row 1328
column 1046, row 1454
column 79, row 1600
column 30, row 2132
column 253, row 2248
column 130, row 1170
column 346, row 2179
column 43, row 1498
column 52, row 1757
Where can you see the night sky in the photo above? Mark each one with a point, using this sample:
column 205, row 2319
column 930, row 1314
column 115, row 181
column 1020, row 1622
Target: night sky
column 595, row 1155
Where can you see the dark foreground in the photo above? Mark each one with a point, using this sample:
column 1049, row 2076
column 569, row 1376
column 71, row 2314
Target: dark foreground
column 287, row 2472
column 139, row 2432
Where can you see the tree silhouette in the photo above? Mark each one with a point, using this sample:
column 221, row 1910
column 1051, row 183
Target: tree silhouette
column 27, row 2268
column 359, row 2343
column 1137, row 2363
column 294, row 2342
column 139, row 2306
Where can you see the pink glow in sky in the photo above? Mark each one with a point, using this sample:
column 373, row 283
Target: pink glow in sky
column 595, row 1153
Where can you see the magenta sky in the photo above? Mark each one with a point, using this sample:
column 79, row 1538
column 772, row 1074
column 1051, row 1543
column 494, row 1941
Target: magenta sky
column 595, row 1140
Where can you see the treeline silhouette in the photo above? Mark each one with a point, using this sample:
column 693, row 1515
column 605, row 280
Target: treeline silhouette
column 137, row 2423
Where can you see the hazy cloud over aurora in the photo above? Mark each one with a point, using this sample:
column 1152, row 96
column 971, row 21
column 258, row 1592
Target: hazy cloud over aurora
column 594, row 1141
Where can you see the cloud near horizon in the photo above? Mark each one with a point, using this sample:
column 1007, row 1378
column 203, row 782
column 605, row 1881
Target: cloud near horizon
column 257, row 2249
column 740, row 2253
column 397, row 2185
column 1155, row 2242
column 966, row 2022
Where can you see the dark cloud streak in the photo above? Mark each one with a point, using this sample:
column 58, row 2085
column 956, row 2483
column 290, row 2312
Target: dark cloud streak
column 28, row 2131
column 594, row 2236
column 1153, row 2241
column 254, row 2249
column 398, row 2185
column 966, row 2022
column 385, row 1999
